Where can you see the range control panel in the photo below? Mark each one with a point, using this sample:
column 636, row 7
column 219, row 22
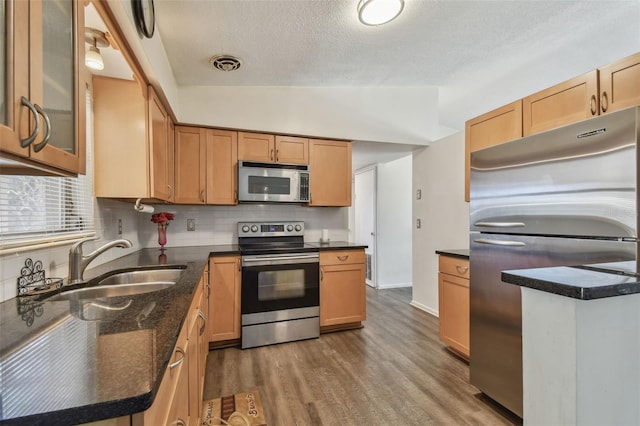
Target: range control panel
column 270, row 229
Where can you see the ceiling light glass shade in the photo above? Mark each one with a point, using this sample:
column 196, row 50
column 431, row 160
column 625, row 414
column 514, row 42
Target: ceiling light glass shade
column 93, row 59
column 378, row 12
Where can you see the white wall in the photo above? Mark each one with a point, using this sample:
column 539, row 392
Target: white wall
column 381, row 114
column 394, row 223
column 438, row 171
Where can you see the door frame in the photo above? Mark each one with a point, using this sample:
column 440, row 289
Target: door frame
column 373, row 282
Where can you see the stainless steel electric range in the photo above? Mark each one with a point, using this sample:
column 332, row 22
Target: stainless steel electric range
column 280, row 284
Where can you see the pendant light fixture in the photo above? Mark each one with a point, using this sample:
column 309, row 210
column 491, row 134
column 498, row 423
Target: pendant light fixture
column 378, row 12
column 92, row 57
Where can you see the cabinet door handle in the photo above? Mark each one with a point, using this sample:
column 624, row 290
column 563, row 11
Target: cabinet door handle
column 343, row 258
column 321, row 274
column 170, row 191
column 277, row 155
column 239, row 265
column 202, row 195
column 271, row 155
column 604, row 102
column 462, row 269
column 178, row 362
column 47, row 135
column 204, row 322
column 29, row 140
column 592, row 104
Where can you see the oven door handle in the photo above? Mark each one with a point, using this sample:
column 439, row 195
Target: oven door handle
column 274, row 260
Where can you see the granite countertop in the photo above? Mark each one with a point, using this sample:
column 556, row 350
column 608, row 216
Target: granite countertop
column 584, row 282
column 337, row 245
column 461, row 253
column 67, row 362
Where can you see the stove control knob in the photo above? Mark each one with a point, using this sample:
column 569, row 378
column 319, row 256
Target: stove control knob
column 245, row 228
column 254, row 228
column 298, row 228
column 289, row 228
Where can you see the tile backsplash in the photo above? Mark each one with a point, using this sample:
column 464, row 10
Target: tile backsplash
column 213, row 225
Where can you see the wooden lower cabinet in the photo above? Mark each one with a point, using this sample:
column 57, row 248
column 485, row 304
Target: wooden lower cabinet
column 453, row 296
column 224, row 302
column 179, row 398
column 342, row 288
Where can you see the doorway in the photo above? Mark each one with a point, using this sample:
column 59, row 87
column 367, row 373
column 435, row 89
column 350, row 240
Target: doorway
column 365, row 218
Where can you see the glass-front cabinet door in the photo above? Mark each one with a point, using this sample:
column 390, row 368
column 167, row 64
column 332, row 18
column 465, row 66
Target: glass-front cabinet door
column 8, row 132
column 47, row 41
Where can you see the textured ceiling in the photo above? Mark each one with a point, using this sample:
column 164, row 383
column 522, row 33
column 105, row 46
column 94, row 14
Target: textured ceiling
column 322, row 43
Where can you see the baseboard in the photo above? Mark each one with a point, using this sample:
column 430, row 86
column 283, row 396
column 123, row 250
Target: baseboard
column 424, row 308
column 397, row 285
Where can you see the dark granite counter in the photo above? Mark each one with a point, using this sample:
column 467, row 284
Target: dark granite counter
column 337, row 245
column 580, row 282
column 68, row 362
column 461, row 253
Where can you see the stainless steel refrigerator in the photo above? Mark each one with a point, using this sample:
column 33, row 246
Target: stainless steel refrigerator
column 563, row 197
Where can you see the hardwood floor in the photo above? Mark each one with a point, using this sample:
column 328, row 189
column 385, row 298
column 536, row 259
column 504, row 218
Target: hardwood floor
column 394, row 371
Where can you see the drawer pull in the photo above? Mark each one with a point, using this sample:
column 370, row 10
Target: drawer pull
column 604, row 102
column 178, row 362
column 462, row 269
column 343, row 258
column 180, row 422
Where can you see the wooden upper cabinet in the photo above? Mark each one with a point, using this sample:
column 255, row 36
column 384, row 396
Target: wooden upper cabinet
column 45, row 86
column 292, row 150
column 492, row 128
column 205, row 164
column 161, row 165
column 256, row 147
column 269, row 148
column 121, row 167
column 221, row 165
column 190, row 165
column 330, row 170
column 620, row 84
column 564, row 103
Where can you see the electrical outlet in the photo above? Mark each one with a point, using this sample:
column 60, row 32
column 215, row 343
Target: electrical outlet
column 419, row 194
column 418, row 223
column 119, row 226
column 191, row 224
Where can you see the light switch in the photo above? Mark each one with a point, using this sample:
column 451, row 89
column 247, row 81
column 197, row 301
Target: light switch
column 418, row 223
column 418, row 194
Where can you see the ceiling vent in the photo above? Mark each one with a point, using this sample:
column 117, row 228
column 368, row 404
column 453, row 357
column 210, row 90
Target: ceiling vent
column 225, row 62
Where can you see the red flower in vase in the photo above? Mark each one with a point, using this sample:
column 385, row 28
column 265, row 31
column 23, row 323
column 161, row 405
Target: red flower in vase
column 162, row 217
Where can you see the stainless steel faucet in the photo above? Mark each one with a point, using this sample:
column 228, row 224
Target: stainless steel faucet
column 78, row 262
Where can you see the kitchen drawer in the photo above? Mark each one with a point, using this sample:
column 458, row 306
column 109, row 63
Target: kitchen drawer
column 454, row 266
column 341, row 257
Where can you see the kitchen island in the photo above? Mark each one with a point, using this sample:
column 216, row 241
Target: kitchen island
column 62, row 364
column 580, row 343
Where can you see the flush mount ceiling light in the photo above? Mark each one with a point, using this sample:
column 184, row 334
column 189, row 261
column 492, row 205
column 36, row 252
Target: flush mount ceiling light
column 225, row 62
column 378, row 12
column 92, row 57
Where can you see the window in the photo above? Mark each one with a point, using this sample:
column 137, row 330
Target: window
column 37, row 208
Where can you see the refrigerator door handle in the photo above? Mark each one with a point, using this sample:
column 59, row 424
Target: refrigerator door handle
column 500, row 242
column 500, row 224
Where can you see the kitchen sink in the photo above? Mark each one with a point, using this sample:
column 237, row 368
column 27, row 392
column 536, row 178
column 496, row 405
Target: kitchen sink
column 142, row 276
column 124, row 284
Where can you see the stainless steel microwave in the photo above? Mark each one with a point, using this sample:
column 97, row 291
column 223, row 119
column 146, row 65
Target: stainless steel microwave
column 273, row 182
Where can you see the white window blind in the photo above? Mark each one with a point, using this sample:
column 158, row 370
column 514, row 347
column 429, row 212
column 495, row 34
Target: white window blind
column 36, row 210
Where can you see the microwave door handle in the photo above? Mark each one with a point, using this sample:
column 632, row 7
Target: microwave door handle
column 500, row 224
column 499, row 242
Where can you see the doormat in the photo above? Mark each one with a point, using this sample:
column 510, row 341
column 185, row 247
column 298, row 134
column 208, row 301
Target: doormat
column 241, row 409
